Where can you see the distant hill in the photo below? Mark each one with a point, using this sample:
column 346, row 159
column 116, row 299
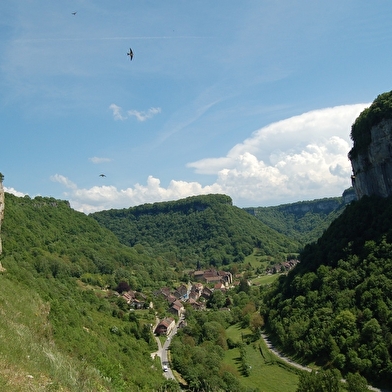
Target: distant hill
column 304, row 221
column 205, row 230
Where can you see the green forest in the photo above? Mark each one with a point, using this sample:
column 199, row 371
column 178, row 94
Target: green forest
column 68, row 329
column 200, row 230
column 335, row 307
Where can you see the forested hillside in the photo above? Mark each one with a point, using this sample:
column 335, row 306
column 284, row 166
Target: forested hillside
column 61, row 327
column 205, row 230
column 335, row 307
column 304, row 221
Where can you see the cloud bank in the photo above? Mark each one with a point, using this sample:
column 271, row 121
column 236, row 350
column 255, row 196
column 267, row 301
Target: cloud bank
column 300, row 158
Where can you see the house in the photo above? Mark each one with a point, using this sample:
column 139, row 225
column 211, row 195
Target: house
column 177, row 308
column 196, row 305
column 165, row 326
column 206, row 293
column 182, row 292
column 212, row 276
column 220, row 286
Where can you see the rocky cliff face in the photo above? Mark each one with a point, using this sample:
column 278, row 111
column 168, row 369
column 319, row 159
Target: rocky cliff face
column 1, row 211
column 1, row 216
column 372, row 169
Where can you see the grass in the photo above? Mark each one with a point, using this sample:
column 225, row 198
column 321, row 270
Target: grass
column 29, row 359
column 265, row 279
column 268, row 373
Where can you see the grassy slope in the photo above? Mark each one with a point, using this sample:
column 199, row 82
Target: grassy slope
column 268, row 373
column 29, row 357
column 55, row 328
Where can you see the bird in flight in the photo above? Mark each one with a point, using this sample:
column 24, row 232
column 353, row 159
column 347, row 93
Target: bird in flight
column 102, row 175
column 74, row 13
column 130, row 54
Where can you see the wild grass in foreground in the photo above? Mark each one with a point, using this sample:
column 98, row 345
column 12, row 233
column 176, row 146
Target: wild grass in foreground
column 29, row 359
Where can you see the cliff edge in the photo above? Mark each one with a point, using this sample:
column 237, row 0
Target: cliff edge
column 1, row 214
column 371, row 156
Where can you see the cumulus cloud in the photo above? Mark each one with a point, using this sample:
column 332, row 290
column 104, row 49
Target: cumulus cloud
column 140, row 115
column 105, row 197
column 97, row 160
column 13, row 191
column 300, row 158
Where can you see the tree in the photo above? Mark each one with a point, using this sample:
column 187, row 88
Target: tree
column 356, row 383
column 323, row 381
column 217, row 300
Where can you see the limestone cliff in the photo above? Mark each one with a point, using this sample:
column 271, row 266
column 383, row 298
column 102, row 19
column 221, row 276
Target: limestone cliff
column 372, row 167
column 1, row 214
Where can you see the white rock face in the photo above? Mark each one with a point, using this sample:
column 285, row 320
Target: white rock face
column 1, row 212
column 372, row 170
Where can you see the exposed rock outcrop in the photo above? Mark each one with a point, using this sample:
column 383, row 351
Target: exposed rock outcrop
column 372, row 168
column 1, row 215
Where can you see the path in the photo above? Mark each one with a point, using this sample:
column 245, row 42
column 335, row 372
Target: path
column 299, row 366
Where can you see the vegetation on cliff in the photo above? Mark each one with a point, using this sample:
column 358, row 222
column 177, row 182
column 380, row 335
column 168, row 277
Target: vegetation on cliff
column 379, row 110
column 335, row 307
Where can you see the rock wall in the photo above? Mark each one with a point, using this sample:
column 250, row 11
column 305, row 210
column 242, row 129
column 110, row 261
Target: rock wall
column 1, row 212
column 372, row 170
column 1, row 216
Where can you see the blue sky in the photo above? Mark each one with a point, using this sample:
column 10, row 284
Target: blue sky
column 254, row 99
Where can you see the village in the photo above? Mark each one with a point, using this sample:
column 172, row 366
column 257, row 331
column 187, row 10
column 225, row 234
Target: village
column 196, row 294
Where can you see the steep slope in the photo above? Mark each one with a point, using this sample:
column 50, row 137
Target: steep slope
column 199, row 229
column 371, row 156
column 335, row 307
column 65, row 330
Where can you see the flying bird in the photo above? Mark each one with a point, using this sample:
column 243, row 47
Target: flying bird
column 130, row 54
column 102, row 175
column 74, row 13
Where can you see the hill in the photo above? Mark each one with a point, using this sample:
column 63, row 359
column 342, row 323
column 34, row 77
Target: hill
column 304, row 221
column 199, row 230
column 335, row 307
column 64, row 328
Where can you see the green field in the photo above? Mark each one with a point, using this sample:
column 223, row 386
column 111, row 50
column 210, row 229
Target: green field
column 267, row 373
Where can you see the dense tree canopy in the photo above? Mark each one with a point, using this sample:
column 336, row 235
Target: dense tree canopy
column 335, row 307
column 201, row 229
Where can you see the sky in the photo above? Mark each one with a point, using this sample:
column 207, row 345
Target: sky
column 253, row 99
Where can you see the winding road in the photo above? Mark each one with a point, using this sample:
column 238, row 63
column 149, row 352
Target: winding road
column 299, row 366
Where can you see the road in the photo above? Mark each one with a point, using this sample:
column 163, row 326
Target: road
column 162, row 352
column 299, row 366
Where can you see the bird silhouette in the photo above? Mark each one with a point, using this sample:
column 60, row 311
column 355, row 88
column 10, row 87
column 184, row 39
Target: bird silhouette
column 130, row 54
column 102, row 175
column 74, row 13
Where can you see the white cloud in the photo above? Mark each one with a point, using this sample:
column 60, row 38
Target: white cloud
column 106, row 197
column 97, row 160
column 142, row 116
column 117, row 112
column 300, row 158
column 64, row 181
column 13, row 191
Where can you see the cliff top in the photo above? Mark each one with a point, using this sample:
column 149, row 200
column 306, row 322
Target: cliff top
column 379, row 110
